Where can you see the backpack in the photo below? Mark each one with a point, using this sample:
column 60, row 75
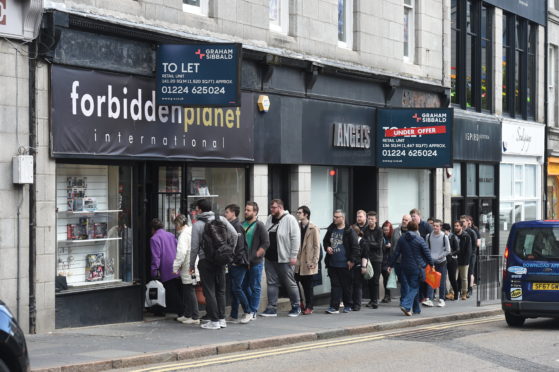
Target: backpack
column 215, row 243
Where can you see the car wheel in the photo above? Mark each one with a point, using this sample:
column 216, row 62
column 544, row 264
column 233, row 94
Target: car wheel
column 514, row 320
column 3, row 366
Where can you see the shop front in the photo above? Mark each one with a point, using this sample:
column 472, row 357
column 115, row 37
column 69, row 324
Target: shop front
column 122, row 160
column 520, row 186
column 475, row 174
column 552, row 188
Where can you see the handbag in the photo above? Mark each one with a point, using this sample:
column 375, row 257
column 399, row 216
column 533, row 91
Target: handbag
column 432, row 277
column 200, row 294
column 392, row 282
column 369, row 272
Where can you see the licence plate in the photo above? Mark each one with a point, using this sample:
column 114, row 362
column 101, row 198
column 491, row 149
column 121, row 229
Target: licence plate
column 545, row 286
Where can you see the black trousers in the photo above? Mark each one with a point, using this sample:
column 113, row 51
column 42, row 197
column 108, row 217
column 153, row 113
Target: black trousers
column 308, row 289
column 385, row 275
column 374, row 281
column 190, row 302
column 452, row 267
column 213, row 284
column 340, row 280
column 173, row 299
column 357, row 282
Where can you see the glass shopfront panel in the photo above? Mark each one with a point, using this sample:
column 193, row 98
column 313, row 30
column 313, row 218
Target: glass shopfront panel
column 93, row 227
column 486, row 180
column 457, row 179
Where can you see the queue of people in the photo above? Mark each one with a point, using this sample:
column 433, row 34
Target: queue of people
column 289, row 249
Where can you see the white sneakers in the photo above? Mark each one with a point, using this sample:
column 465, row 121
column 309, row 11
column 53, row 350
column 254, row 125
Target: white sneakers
column 190, row 321
column 441, row 303
column 247, row 317
column 428, row 302
column 181, row 319
column 222, row 323
column 211, row 325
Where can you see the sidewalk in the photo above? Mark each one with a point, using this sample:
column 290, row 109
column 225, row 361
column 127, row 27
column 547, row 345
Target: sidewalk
column 131, row 344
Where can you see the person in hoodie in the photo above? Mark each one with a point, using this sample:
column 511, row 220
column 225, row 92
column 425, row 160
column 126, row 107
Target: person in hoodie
column 281, row 257
column 375, row 241
column 342, row 254
column 238, row 270
column 415, row 256
column 212, row 276
column 163, row 246
column 439, row 246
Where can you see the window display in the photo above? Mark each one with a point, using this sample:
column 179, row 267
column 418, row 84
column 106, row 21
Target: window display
column 93, row 224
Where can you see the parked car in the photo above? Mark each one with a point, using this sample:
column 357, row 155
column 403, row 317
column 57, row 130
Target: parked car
column 13, row 349
column 531, row 272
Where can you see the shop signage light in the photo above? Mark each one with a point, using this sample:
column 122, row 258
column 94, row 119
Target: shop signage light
column 351, row 136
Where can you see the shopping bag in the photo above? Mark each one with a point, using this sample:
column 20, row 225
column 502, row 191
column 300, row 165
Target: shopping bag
column 369, row 273
column 155, row 294
column 200, row 294
column 392, row 280
column 432, row 277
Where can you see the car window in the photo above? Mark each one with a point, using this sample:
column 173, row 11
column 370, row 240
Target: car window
column 537, row 243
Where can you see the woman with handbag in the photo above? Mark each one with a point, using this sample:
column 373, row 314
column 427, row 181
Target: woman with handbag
column 181, row 266
column 415, row 256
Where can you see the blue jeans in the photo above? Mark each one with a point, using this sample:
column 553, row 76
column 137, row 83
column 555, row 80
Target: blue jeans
column 440, row 267
column 409, row 299
column 252, row 289
column 238, row 275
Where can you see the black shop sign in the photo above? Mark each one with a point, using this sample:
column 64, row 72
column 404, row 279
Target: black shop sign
column 100, row 114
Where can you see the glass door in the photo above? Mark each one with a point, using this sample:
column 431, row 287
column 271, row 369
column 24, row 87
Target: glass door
column 169, row 195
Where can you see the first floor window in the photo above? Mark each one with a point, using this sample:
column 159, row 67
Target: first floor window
column 345, row 23
column 409, row 30
column 279, row 15
column 195, row 6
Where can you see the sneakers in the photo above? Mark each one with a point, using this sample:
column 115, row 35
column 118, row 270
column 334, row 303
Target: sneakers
column 406, row 312
column 386, row 300
column 246, row 318
column 269, row 313
column 428, row 302
column 295, row 311
column 211, row 325
column 233, row 320
column 181, row 319
column 441, row 303
column 331, row 310
column 190, row 321
column 307, row 311
column 346, row 310
column 253, row 316
column 222, row 323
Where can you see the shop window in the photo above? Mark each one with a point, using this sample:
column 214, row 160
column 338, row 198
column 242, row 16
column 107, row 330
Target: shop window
column 471, row 180
column 169, row 195
column 530, row 180
column 222, row 186
column 409, row 30
column 457, row 179
column 279, row 15
column 530, row 210
column 414, row 184
column 552, row 85
column 471, row 54
column 519, row 66
column 345, row 23
column 195, row 6
column 518, row 180
column 505, row 185
column 93, row 230
column 486, row 180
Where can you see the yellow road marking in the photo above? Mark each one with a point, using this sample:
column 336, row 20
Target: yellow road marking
column 314, row 345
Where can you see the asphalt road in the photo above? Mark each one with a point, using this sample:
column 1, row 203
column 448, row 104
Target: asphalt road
column 485, row 344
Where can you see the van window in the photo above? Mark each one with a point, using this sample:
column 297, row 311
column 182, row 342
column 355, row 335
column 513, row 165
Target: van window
column 537, row 243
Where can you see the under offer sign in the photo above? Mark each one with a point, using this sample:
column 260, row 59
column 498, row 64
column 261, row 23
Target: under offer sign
column 198, row 74
column 414, row 138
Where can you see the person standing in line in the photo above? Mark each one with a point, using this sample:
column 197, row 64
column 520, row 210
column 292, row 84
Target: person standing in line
column 374, row 239
column 396, row 235
column 181, row 266
column 238, row 269
column 257, row 244
column 212, row 275
column 357, row 272
column 281, row 257
column 472, row 269
column 424, row 228
column 163, row 246
column 415, row 256
column 439, row 246
column 342, row 253
column 307, row 259
column 463, row 258
column 387, row 231
column 466, row 226
column 361, row 220
column 452, row 262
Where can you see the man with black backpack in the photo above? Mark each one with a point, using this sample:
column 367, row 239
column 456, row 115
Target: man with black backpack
column 213, row 241
column 238, row 269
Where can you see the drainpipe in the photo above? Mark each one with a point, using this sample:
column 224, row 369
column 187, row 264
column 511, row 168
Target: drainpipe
column 32, row 188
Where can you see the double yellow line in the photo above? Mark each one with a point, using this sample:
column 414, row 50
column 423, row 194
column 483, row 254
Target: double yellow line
column 315, row 345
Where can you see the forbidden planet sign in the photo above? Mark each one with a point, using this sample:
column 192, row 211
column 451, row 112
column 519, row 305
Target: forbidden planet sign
column 414, row 138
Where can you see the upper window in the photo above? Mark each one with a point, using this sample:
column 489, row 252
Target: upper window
column 279, row 16
column 519, row 67
column 195, row 6
column 552, row 85
column 409, row 30
column 345, row 23
column 472, row 54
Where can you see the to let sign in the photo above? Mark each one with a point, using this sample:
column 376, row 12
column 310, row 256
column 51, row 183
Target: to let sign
column 198, row 75
column 414, row 138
